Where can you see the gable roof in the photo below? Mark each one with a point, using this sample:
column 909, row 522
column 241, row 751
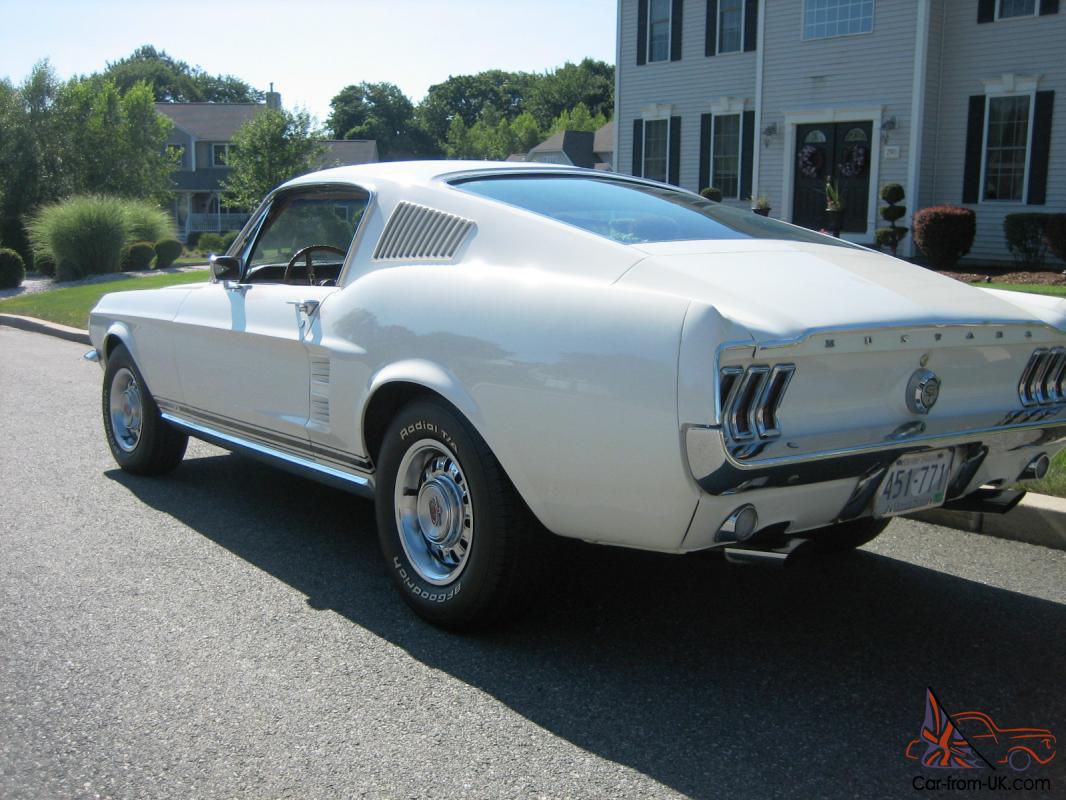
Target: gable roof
column 603, row 142
column 575, row 145
column 213, row 122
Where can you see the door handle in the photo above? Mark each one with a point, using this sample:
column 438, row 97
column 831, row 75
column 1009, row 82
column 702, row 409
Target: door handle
column 308, row 307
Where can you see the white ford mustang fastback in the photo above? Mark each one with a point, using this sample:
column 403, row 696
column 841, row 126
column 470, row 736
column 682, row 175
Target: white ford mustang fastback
column 493, row 350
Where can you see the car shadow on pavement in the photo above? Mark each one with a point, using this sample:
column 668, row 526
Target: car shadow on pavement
column 711, row 678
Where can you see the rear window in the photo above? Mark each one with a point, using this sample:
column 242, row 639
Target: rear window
column 633, row 213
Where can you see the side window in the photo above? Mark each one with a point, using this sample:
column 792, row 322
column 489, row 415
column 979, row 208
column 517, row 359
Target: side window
column 326, row 218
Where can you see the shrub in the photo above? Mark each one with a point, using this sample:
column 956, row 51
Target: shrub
column 141, row 255
column 192, row 241
column 890, row 237
column 147, row 222
column 12, row 269
column 83, row 234
column 212, row 243
column 1055, row 235
column 944, row 233
column 167, row 251
column 228, row 238
column 892, row 193
column 1025, row 238
column 712, row 193
column 44, row 264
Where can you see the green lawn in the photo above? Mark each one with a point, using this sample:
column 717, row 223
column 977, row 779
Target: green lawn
column 71, row 306
column 191, row 261
column 1035, row 288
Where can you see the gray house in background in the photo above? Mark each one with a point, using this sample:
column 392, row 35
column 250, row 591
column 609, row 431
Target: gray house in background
column 578, row 149
column 953, row 99
column 201, row 140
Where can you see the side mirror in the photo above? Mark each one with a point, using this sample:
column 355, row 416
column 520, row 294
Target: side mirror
column 225, row 268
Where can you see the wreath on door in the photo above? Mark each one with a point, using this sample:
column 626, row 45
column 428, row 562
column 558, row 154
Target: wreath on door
column 854, row 161
column 811, row 161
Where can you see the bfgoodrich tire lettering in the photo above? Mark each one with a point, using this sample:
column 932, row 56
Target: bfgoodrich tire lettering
column 455, row 536
column 140, row 439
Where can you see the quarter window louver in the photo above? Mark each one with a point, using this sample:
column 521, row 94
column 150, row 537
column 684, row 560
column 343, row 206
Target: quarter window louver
column 419, row 233
column 1043, row 381
column 750, row 399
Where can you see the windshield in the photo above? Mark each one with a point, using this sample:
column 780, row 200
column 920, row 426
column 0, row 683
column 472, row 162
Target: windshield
column 633, row 213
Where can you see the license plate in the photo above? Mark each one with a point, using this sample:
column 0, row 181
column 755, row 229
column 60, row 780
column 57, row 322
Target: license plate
column 914, row 482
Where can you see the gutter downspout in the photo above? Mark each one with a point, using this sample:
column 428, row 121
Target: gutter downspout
column 914, row 146
column 760, row 56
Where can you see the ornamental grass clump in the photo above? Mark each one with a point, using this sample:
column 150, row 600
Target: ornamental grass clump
column 147, row 222
column 83, row 235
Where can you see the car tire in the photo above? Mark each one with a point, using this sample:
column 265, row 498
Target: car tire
column 456, row 538
column 845, row 536
column 141, row 441
column 1020, row 760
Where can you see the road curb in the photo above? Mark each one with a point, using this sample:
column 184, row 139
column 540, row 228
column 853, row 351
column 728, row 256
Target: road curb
column 1038, row 519
column 43, row 326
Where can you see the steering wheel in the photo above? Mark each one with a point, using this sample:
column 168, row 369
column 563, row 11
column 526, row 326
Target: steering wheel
column 305, row 253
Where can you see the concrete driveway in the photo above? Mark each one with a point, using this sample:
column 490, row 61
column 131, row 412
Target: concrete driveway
column 229, row 631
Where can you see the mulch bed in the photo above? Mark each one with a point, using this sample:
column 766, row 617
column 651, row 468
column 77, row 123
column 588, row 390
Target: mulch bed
column 1043, row 278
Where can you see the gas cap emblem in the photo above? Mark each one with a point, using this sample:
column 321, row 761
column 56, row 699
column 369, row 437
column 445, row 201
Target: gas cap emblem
column 923, row 389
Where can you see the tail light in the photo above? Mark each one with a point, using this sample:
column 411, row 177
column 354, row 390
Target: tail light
column 1042, row 381
column 750, row 399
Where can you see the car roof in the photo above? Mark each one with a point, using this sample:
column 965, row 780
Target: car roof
column 425, row 172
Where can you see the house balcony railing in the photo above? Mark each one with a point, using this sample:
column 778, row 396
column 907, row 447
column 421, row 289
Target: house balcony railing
column 216, row 223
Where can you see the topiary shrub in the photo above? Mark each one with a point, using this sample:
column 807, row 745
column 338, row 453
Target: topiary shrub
column 212, row 243
column 12, row 269
column 890, row 237
column 229, row 237
column 83, row 234
column 1025, row 238
column 139, row 256
column 147, row 222
column 944, row 234
column 712, row 193
column 192, row 241
column 167, row 251
column 1055, row 235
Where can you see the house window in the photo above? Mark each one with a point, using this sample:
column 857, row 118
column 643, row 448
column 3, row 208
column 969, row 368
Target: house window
column 1016, row 8
column 725, row 155
column 825, row 18
column 1006, row 147
column 656, row 149
column 220, row 154
column 730, row 26
column 659, row 30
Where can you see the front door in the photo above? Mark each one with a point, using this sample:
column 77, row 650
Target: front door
column 836, row 151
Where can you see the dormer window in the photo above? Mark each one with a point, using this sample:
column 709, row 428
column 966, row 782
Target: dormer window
column 220, row 154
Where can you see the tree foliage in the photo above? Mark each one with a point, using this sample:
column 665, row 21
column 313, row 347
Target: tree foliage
column 267, row 150
column 379, row 111
column 174, row 81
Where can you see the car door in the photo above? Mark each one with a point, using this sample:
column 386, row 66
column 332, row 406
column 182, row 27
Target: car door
column 243, row 358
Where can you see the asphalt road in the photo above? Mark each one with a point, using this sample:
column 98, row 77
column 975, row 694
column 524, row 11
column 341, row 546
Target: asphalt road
column 229, row 631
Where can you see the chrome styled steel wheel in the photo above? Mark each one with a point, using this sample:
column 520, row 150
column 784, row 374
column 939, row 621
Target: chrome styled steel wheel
column 434, row 511
column 126, row 409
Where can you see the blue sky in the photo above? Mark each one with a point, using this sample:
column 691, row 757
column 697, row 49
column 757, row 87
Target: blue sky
column 311, row 48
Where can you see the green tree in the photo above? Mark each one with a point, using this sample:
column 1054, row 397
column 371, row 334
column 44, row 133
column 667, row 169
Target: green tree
column 579, row 118
column 271, row 148
column 174, row 81
column 591, row 82
column 379, row 111
column 527, row 133
column 458, row 142
column 467, row 96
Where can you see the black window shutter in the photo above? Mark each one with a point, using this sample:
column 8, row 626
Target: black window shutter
column 642, row 32
column 1038, row 158
column 986, row 11
column 674, row 167
column 710, row 41
column 747, row 154
column 675, row 30
column 751, row 24
column 705, row 151
column 638, row 147
column 1049, row 7
column 975, row 134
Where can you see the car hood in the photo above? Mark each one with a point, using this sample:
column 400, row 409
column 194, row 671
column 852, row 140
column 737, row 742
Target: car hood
column 782, row 290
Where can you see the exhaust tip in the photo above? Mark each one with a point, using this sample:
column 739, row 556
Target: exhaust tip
column 1036, row 469
column 739, row 525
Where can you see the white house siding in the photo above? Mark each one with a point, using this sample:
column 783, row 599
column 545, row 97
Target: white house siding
column 689, row 86
column 971, row 52
column 931, row 130
column 838, row 73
